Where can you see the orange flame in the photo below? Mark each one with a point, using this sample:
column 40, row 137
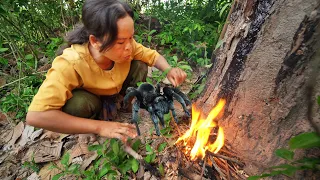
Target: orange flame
column 200, row 129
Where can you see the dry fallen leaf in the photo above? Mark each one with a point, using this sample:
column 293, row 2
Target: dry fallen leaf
column 47, row 151
column 34, row 176
column 27, row 132
column 7, row 136
column 88, row 161
column 79, row 149
column 2, row 116
column 50, row 135
column 36, row 134
column 47, row 174
column 77, row 160
column 17, row 131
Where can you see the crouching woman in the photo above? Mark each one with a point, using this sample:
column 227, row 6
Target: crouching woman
column 103, row 60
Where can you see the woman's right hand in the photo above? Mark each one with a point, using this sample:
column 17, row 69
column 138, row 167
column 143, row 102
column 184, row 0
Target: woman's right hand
column 121, row 131
column 58, row 121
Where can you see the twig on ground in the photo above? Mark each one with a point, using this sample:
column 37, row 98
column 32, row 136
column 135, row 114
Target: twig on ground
column 154, row 171
column 174, row 122
column 227, row 170
column 188, row 174
column 234, row 168
column 227, row 158
column 216, row 167
column 132, row 152
column 229, row 153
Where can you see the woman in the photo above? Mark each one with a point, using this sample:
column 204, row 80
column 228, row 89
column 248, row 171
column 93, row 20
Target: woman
column 98, row 65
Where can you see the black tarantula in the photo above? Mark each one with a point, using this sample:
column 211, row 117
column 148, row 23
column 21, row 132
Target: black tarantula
column 156, row 103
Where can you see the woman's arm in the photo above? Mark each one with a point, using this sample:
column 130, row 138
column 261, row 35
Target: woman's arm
column 175, row 75
column 161, row 63
column 58, row 121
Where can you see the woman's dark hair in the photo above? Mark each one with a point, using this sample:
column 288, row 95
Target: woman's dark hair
column 99, row 18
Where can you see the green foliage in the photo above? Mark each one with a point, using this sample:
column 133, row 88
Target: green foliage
column 185, row 24
column 28, row 25
column 32, row 165
column 151, row 155
column 3, row 61
column 145, row 37
column 173, row 61
column 319, row 100
column 305, row 140
column 301, row 141
column 197, row 88
column 162, row 146
column 52, row 47
column 189, row 31
column 285, row 154
column 111, row 157
column 67, row 169
column 167, row 130
column 19, row 99
column 33, row 30
column 24, row 40
column 157, row 76
column 161, row 169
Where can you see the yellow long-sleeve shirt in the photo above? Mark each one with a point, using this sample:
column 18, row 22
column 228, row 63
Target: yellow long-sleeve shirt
column 75, row 68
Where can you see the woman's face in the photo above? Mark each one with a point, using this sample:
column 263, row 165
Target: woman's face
column 122, row 49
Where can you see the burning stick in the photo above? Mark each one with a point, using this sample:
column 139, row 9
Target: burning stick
column 200, row 129
column 204, row 139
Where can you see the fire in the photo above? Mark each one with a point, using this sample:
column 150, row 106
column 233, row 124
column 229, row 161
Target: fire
column 200, row 131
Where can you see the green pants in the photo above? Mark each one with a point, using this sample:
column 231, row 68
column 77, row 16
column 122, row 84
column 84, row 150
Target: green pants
column 87, row 105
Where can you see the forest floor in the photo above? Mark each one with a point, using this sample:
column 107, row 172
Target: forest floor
column 20, row 143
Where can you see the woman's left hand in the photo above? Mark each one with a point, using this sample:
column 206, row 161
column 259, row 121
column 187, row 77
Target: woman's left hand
column 176, row 76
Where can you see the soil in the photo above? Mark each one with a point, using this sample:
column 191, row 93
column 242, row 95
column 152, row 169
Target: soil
column 12, row 159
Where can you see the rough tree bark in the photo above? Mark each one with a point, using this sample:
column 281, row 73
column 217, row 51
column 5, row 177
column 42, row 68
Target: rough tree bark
column 271, row 51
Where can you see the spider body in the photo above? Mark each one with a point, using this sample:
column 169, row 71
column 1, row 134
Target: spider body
column 156, row 103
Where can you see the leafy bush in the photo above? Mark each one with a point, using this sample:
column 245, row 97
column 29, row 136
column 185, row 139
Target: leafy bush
column 19, row 99
column 303, row 141
column 111, row 159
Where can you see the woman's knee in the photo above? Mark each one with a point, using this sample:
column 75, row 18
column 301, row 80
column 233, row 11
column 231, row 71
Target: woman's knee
column 139, row 65
column 138, row 71
column 83, row 104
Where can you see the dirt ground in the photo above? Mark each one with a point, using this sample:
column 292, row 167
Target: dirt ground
column 19, row 142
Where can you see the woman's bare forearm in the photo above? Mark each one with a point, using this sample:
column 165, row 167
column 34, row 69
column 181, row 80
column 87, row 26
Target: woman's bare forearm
column 58, row 121
column 161, row 63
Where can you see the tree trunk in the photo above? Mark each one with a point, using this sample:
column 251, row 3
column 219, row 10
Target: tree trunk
column 270, row 55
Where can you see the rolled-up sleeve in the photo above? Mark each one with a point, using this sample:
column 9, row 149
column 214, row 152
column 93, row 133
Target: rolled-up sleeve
column 56, row 89
column 144, row 54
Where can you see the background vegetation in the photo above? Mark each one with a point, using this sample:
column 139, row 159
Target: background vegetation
column 185, row 31
column 31, row 32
